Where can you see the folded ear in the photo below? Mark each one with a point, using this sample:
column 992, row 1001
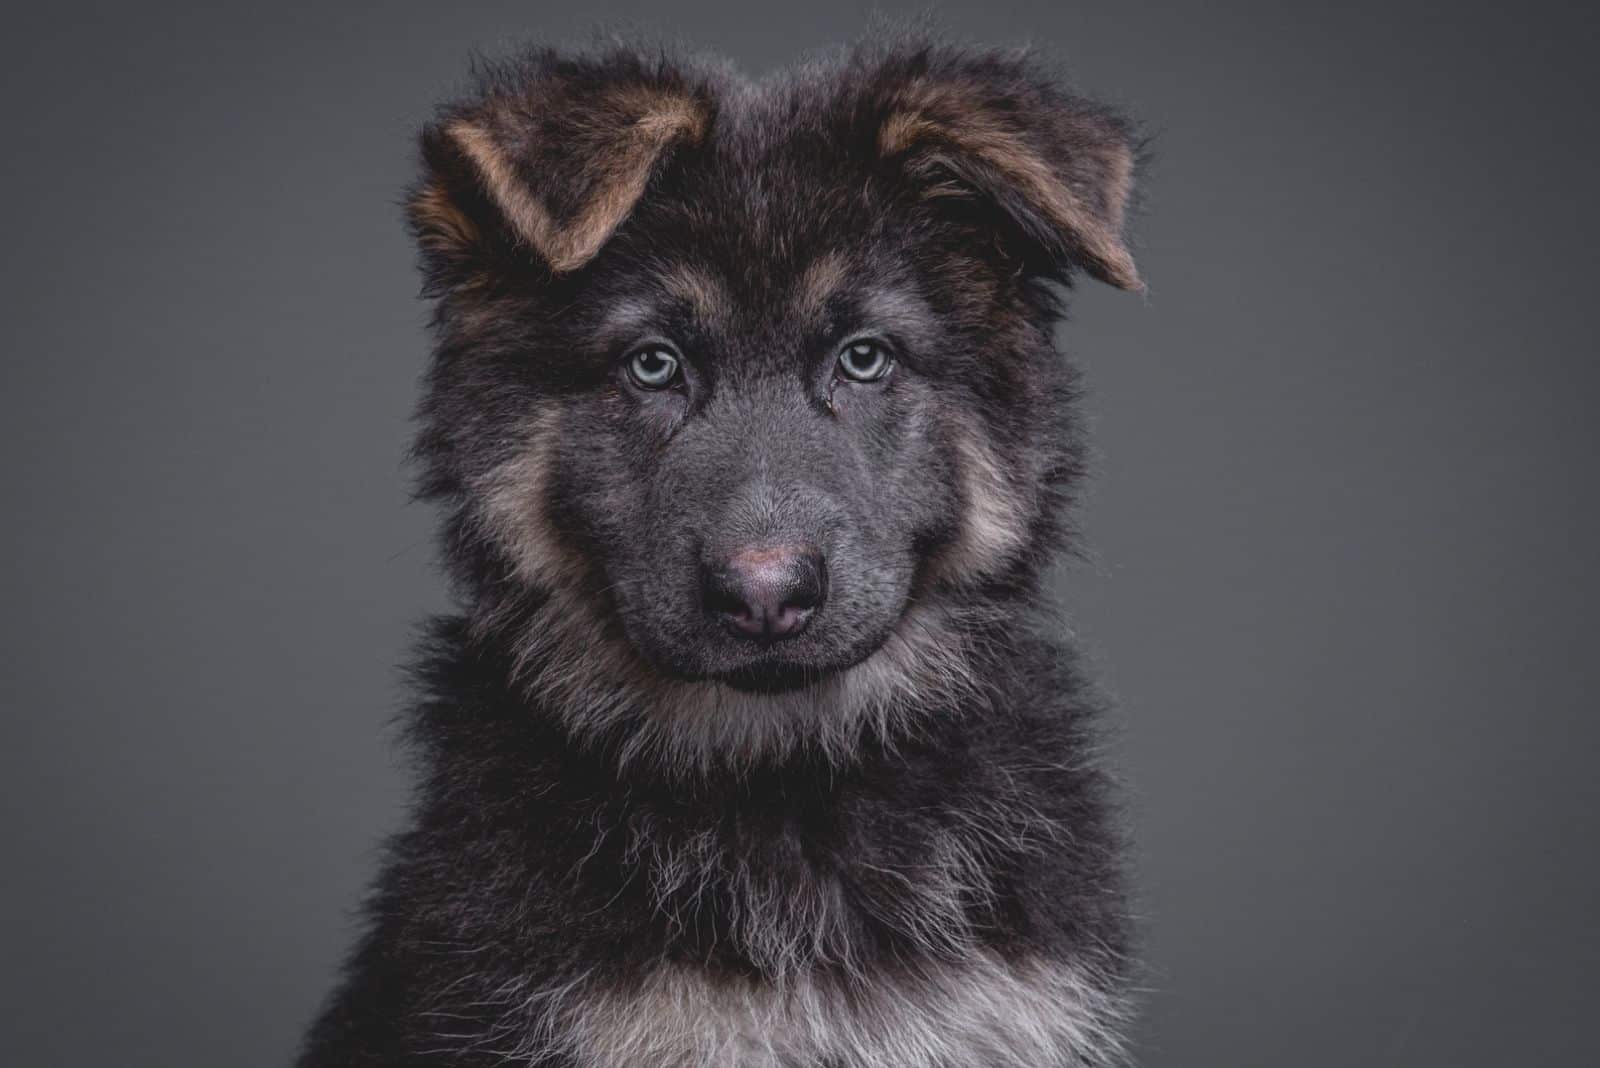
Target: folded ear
column 552, row 154
column 992, row 124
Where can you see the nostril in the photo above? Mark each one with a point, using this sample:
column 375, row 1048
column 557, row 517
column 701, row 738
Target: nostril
column 727, row 597
column 801, row 597
column 767, row 593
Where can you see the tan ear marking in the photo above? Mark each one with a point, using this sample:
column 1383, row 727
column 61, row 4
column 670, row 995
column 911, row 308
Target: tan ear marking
column 901, row 130
column 950, row 119
column 621, row 174
column 526, row 215
column 438, row 220
column 662, row 115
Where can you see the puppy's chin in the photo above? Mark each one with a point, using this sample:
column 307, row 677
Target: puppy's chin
column 770, row 674
column 775, row 675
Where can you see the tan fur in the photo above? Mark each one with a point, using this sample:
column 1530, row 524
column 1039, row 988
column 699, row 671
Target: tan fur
column 647, row 122
column 819, row 282
column 513, row 499
column 946, row 117
column 994, row 515
column 703, row 292
column 438, row 220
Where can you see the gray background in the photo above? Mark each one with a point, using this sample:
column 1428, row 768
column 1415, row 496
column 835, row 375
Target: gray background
column 1344, row 529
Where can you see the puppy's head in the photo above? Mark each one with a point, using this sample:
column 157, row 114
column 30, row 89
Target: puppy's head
column 743, row 393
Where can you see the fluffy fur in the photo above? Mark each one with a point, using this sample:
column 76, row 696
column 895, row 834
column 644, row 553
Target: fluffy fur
column 641, row 838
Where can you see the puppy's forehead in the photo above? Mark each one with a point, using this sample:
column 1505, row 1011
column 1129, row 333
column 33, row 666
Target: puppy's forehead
column 701, row 289
column 829, row 291
column 767, row 201
column 772, row 226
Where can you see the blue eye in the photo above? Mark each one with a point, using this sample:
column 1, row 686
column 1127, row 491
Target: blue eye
column 864, row 361
column 655, row 367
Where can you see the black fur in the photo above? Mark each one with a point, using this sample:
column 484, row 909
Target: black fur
column 611, row 783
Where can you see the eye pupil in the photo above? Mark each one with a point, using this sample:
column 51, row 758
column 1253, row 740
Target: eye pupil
column 864, row 361
column 653, row 368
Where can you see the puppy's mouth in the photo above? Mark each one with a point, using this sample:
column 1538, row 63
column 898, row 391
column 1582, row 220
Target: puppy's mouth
column 773, row 677
column 789, row 666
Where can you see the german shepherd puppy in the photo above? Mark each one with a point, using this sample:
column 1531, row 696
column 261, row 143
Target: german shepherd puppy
column 753, row 743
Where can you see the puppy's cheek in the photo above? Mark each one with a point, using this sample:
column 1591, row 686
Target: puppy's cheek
column 513, row 503
column 991, row 514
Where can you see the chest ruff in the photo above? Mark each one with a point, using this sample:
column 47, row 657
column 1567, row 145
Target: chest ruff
column 980, row 1010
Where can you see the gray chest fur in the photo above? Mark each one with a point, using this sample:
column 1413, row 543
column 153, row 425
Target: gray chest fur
column 978, row 1011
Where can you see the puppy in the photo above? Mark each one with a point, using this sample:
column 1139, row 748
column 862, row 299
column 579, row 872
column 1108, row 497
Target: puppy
column 753, row 743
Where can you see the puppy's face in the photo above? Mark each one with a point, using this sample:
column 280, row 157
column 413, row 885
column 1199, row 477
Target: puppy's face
column 736, row 375
column 759, row 462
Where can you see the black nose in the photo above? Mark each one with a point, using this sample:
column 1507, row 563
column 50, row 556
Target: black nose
column 767, row 593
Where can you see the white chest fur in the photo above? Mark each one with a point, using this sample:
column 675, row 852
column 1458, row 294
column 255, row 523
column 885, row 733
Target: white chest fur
column 980, row 1011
